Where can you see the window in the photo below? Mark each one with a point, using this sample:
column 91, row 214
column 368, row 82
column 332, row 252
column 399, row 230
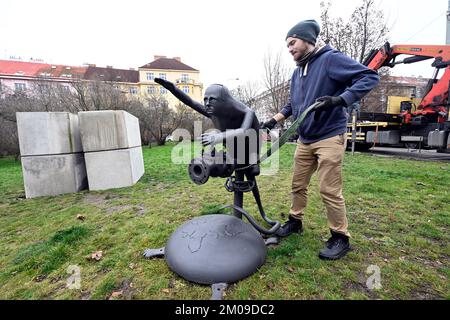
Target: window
column 163, row 76
column 184, row 77
column 151, row 90
column 162, row 90
column 43, row 87
column 150, row 76
column 133, row 90
column 186, row 89
column 20, row 86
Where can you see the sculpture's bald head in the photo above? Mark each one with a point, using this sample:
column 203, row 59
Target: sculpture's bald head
column 215, row 98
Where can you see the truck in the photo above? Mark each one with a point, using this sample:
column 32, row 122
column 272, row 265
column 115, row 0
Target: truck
column 408, row 121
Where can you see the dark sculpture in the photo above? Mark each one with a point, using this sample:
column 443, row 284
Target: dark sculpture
column 239, row 129
column 219, row 249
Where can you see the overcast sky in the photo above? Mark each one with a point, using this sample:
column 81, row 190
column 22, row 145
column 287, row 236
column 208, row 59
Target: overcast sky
column 225, row 40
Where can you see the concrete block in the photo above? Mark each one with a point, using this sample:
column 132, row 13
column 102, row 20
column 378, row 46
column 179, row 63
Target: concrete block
column 54, row 174
column 109, row 130
column 46, row 133
column 114, row 168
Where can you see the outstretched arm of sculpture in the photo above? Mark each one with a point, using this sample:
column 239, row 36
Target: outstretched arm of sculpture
column 183, row 97
column 215, row 138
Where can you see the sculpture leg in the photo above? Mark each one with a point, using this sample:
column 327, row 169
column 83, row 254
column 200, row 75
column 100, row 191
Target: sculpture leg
column 154, row 253
column 269, row 241
column 238, row 195
column 217, row 290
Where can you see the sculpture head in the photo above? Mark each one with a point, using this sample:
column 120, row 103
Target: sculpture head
column 215, row 100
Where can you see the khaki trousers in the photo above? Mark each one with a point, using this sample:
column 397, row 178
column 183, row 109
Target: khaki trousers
column 326, row 157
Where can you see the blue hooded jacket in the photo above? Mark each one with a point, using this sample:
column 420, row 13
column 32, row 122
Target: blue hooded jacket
column 328, row 73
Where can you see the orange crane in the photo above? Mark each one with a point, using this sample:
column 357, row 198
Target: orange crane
column 434, row 105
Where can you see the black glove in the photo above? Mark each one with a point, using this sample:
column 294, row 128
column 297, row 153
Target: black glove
column 328, row 102
column 268, row 124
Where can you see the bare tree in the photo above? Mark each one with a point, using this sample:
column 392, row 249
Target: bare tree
column 247, row 93
column 276, row 82
column 158, row 118
column 9, row 105
column 365, row 30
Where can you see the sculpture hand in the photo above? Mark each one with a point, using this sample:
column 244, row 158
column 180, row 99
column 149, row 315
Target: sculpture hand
column 209, row 139
column 166, row 84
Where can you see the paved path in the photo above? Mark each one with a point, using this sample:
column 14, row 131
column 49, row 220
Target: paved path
column 424, row 155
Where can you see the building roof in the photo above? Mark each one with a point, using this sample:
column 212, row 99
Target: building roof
column 111, row 74
column 163, row 63
column 34, row 69
column 416, row 81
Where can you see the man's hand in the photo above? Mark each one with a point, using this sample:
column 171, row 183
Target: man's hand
column 268, row 124
column 210, row 139
column 328, row 102
column 166, row 84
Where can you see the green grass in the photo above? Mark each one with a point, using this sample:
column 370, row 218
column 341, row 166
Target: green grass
column 398, row 211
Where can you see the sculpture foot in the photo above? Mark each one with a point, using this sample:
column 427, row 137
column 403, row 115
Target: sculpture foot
column 154, row 253
column 272, row 241
column 218, row 290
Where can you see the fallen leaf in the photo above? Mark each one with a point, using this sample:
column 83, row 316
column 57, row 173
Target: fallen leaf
column 421, row 184
column 97, row 255
column 80, row 217
column 131, row 266
column 116, row 294
column 165, row 290
column 40, row 278
column 290, row 269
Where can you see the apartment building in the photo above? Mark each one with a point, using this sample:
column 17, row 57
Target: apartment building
column 27, row 76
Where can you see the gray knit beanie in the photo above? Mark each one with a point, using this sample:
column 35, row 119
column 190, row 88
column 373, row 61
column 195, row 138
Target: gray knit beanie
column 307, row 30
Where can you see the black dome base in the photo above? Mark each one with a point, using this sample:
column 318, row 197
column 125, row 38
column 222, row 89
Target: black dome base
column 215, row 248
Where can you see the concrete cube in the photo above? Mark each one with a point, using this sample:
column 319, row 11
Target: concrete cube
column 54, row 174
column 114, row 168
column 109, row 130
column 46, row 133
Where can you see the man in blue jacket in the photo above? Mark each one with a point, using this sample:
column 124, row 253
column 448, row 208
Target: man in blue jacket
column 326, row 75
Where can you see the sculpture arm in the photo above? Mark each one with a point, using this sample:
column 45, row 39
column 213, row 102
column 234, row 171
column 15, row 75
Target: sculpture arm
column 183, row 97
column 215, row 138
